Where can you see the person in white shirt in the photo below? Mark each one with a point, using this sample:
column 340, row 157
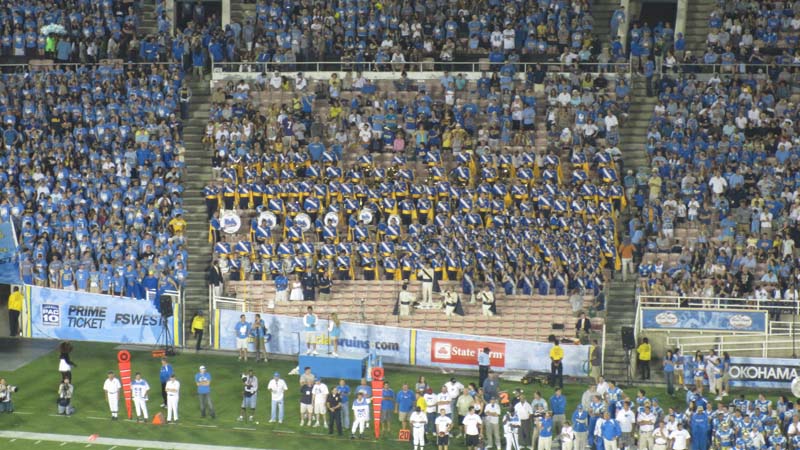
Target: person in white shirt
column 443, row 425
column 524, row 412
column 405, row 299
column 112, row 386
column 567, row 436
column 276, row 81
column 277, row 387
column 139, row 390
column 492, row 424
column 173, row 394
column 319, row 395
column 300, row 82
column 444, row 401
column 454, row 390
column 626, row 418
column 472, row 429
column 418, row 421
column 661, row 437
column 602, row 387
column 360, row 415
column 425, row 275
column 646, row 422
column 680, row 438
column 718, row 184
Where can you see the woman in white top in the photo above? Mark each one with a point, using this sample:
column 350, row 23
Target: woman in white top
column 296, row 293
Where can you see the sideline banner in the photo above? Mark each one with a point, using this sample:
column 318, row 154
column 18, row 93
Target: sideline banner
column 9, row 255
column 696, row 319
column 288, row 336
column 403, row 345
column 82, row 316
column 763, row 372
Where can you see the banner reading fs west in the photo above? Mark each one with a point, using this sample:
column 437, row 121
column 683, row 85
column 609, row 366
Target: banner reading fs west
column 81, row 316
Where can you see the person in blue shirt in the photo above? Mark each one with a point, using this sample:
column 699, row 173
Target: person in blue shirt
column 484, row 364
column 545, row 426
column 405, row 405
column 243, row 330
column 203, row 381
column 580, row 425
column 699, row 429
column 609, row 431
column 388, row 407
column 344, row 393
column 558, row 405
column 163, row 375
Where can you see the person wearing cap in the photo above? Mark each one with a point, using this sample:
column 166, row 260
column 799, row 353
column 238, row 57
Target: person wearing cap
column 249, row 395
column 277, row 387
column 454, row 389
column 203, row 381
column 580, row 422
column 319, row 397
column 173, row 395
column 418, row 420
column 112, row 386
column 491, row 423
column 698, row 429
column 360, row 415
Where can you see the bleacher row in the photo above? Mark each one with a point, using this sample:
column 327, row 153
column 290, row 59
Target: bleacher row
column 373, row 302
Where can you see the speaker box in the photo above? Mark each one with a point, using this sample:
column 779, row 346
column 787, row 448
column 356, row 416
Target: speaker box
column 628, row 339
column 165, row 307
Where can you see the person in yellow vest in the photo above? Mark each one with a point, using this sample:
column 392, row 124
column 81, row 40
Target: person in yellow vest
column 644, row 351
column 14, row 310
column 556, row 366
column 198, row 326
column 177, row 224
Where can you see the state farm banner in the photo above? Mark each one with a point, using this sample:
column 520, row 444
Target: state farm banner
column 403, row 345
column 82, row 316
column 460, row 350
column 763, row 372
column 705, row 319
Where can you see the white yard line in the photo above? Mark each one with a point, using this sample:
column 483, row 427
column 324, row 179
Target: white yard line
column 139, row 444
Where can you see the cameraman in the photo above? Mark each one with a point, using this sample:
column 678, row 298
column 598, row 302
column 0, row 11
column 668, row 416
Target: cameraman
column 65, row 390
column 5, row 396
column 249, row 395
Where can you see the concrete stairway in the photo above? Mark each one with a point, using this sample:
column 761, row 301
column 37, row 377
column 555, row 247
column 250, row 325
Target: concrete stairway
column 697, row 25
column 198, row 173
column 633, row 135
column 620, row 312
column 240, row 11
column 149, row 21
column 601, row 12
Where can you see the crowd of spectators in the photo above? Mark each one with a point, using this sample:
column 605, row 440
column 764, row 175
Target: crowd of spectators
column 754, row 32
column 449, row 171
column 724, row 156
column 403, row 32
column 91, row 169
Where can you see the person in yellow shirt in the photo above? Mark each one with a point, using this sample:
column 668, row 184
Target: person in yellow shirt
column 177, row 224
column 644, row 351
column 556, row 368
column 198, row 326
column 14, row 310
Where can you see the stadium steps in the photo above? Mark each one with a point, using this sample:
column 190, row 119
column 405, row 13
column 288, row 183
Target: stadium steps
column 697, row 25
column 198, row 166
column 149, row 21
column 601, row 12
column 633, row 135
column 619, row 313
column 240, row 11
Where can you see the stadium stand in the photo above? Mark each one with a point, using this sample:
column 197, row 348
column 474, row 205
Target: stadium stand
column 719, row 209
column 518, row 210
column 92, row 169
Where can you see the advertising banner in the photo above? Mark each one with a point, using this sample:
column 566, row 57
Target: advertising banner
column 714, row 319
column 287, row 336
column 432, row 350
column 9, row 257
column 763, row 372
column 404, row 346
column 81, row 316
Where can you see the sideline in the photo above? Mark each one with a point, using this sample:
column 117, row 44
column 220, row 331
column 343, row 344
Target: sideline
column 68, row 438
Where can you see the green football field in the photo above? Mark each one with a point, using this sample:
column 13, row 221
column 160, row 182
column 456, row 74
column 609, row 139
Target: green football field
column 38, row 382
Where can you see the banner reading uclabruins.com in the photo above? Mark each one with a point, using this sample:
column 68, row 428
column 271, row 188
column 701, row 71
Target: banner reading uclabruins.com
column 82, row 316
column 402, row 345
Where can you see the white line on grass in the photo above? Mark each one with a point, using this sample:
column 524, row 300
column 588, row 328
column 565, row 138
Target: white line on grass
column 139, row 444
column 112, row 448
column 63, row 444
column 24, row 413
column 98, row 418
column 207, row 426
column 37, row 442
column 243, row 428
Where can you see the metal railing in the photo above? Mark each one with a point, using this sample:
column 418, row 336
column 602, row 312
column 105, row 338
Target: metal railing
column 687, row 302
column 763, row 345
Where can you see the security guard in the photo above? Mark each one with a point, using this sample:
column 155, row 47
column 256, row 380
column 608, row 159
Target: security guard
column 198, row 326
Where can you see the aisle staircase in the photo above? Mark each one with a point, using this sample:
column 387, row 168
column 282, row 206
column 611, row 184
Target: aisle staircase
column 697, row 25
column 198, row 173
column 620, row 312
column 633, row 135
